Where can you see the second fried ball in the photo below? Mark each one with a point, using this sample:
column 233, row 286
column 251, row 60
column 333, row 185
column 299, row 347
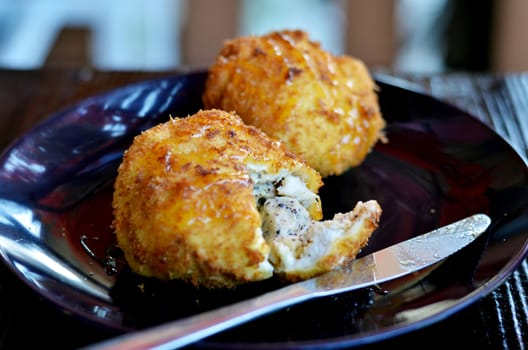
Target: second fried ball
column 323, row 107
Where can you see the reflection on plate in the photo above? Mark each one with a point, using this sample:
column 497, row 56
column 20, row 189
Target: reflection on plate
column 439, row 165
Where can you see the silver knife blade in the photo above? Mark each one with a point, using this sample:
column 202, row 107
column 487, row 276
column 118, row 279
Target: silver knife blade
column 384, row 265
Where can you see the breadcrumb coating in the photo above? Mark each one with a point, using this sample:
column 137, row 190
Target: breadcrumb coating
column 324, row 107
column 183, row 200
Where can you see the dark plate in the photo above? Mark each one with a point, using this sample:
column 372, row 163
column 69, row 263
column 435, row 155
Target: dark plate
column 439, row 165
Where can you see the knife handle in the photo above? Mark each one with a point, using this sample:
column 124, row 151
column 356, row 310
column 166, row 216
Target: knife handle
column 188, row 330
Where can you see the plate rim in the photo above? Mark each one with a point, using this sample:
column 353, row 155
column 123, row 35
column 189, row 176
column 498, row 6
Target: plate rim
column 348, row 340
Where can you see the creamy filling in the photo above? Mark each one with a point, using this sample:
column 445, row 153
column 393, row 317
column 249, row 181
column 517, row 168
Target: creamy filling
column 282, row 200
column 297, row 242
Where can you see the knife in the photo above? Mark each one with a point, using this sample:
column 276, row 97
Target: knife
column 387, row 264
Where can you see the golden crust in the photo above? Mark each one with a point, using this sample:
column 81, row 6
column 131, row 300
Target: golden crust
column 324, row 107
column 183, row 201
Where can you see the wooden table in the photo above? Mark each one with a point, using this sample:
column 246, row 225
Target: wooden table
column 500, row 320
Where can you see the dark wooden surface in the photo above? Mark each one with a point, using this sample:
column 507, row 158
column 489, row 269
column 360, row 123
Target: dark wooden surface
column 498, row 321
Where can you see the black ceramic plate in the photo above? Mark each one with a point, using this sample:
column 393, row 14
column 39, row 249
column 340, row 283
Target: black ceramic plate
column 439, row 165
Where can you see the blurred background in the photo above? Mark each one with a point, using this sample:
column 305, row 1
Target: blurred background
column 417, row 36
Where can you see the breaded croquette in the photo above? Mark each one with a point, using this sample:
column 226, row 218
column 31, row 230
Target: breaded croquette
column 323, row 107
column 212, row 201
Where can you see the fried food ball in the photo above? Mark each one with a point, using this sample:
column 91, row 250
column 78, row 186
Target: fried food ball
column 212, row 201
column 324, row 107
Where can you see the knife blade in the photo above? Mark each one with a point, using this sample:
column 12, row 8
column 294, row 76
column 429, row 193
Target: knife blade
column 381, row 266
